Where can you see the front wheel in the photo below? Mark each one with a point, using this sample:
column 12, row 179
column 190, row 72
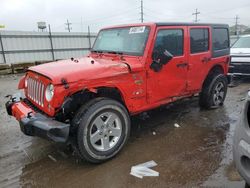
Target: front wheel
column 103, row 129
column 213, row 92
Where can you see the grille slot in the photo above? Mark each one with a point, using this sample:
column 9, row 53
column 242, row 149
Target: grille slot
column 35, row 91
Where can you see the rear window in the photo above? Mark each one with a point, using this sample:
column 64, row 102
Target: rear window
column 199, row 40
column 220, row 39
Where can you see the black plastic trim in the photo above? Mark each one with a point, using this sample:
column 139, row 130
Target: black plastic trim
column 39, row 125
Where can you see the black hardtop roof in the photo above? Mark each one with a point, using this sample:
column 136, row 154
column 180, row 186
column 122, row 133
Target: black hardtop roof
column 190, row 24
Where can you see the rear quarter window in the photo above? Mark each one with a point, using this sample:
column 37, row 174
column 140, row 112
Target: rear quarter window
column 220, row 39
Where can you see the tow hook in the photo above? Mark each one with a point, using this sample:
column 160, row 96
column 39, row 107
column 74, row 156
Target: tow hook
column 29, row 114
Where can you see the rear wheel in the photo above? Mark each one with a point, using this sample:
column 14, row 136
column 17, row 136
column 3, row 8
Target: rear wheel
column 214, row 91
column 103, row 129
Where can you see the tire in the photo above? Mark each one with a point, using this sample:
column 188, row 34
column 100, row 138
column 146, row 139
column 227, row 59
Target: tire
column 214, row 91
column 246, row 185
column 103, row 128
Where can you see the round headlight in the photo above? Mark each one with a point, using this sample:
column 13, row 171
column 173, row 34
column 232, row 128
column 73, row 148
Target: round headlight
column 49, row 92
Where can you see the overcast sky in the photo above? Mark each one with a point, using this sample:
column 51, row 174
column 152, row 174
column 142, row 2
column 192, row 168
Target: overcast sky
column 24, row 14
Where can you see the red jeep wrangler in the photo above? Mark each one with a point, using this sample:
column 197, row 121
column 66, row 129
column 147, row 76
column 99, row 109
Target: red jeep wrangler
column 130, row 69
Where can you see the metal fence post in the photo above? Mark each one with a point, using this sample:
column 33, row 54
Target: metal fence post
column 89, row 38
column 3, row 52
column 51, row 44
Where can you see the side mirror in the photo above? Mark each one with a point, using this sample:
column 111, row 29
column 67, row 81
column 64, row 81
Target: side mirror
column 160, row 57
column 156, row 66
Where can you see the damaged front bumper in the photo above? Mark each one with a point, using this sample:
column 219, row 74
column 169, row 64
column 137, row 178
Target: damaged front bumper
column 36, row 124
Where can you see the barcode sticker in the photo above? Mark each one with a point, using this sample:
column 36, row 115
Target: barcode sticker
column 137, row 30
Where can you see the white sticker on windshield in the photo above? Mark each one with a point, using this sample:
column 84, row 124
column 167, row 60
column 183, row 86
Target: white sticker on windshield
column 140, row 29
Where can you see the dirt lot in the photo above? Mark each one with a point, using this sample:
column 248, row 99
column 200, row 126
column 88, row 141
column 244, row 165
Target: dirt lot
column 198, row 154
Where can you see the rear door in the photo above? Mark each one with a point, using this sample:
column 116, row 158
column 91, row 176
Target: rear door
column 170, row 81
column 200, row 55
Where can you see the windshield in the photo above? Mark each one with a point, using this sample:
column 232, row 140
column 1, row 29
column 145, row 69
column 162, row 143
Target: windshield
column 128, row 40
column 243, row 42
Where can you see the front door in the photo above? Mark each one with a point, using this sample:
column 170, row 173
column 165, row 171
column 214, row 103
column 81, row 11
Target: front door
column 170, row 81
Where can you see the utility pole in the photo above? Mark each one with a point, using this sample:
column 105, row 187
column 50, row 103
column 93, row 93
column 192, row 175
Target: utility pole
column 236, row 25
column 141, row 11
column 3, row 52
column 68, row 26
column 196, row 13
column 51, row 44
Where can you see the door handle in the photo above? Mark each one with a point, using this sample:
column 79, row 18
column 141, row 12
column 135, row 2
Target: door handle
column 205, row 59
column 182, row 65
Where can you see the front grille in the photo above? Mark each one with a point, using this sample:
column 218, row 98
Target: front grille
column 237, row 67
column 35, row 91
column 33, row 107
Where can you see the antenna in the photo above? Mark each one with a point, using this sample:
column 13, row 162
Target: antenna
column 196, row 13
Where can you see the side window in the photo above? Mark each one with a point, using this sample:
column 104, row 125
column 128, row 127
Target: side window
column 220, row 39
column 170, row 40
column 199, row 40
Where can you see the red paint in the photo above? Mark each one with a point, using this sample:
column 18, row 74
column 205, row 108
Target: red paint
column 20, row 110
column 141, row 87
column 21, row 83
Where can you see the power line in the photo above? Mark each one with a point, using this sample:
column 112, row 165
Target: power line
column 150, row 16
column 110, row 19
column 145, row 15
column 228, row 9
column 156, row 12
column 167, row 16
column 111, row 22
column 221, row 18
column 68, row 24
column 196, row 13
column 118, row 14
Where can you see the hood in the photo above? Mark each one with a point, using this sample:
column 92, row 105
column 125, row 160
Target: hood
column 85, row 68
column 240, row 51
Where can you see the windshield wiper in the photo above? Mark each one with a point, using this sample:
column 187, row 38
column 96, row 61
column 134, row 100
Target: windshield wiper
column 114, row 52
column 109, row 52
column 97, row 51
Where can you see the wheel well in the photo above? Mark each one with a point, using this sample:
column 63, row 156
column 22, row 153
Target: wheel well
column 217, row 69
column 75, row 101
column 112, row 93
